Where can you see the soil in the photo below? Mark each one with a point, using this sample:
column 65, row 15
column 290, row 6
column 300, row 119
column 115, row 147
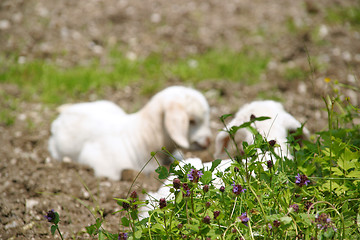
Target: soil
column 72, row 33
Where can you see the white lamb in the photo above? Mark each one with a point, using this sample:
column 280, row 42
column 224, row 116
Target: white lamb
column 276, row 128
column 103, row 136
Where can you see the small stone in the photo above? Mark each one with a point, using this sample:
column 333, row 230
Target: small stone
column 302, row 89
column 155, row 18
column 4, row 24
column 30, row 203
column 323, row 31
column 12, row 224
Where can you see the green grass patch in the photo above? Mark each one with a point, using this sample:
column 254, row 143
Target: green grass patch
column 245, row 66
column 8, row 106
column 342, row 15
column 270, row 95
column 53, row 84
column 295, row 73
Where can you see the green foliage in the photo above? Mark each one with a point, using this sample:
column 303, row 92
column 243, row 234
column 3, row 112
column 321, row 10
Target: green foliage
column 54, row 84
column 8, row 108
column 313, row 196
column 245, row 66
column 261, row 195
column 295, row 73
column 343, row 15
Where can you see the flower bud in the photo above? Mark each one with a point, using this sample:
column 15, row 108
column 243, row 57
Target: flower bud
column 177, row 183
column 272, row 143
column 133, row 195
column 206, row 188
column 216, row 214
column 207, row 220
column 162, row 203
column 125, row 205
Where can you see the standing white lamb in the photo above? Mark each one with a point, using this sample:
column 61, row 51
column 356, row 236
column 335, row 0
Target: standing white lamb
column 103, row 136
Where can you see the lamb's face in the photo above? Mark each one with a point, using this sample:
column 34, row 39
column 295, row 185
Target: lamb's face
column 187, row 118
column 199, row 133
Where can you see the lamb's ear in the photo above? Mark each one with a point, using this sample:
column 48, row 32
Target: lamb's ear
column 177, row 125
column 221, row 142
column 291, row 125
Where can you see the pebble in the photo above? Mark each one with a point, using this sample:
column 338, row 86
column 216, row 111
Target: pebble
column 155, row 18
column 28, row 226
column 30, row 203
column 323, row 31
column 351, row 78
column 12, row 224
column 302, row 88
column 4, row 24
column 86, row 194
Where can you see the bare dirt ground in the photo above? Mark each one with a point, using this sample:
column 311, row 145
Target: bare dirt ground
column 74, row 32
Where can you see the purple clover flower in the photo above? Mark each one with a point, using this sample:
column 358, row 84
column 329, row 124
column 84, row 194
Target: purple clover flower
column 308, row 205
column 276, row 223
column 302, row 180
column 323, row 222
column 194, row 175
column 186, row 189
column 125, row 205
column 244, row 219
column 237, row 188
column 206, row 220
column 295, row 207
column 50, row 216
column 123, row 236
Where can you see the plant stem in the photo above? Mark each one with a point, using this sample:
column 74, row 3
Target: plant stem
column 57, row 227
column 257, row 198
column 167, row 234
column 232, row 212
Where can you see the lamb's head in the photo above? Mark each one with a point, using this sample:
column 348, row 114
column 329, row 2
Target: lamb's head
column 277, row 128
column 186, row 117
column 224, row 144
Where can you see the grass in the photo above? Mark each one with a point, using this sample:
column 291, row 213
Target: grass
column 261, row 194
column 8, row 106
column 52, row 84
column 246, row 66
column 343, row 15
column 295, row 73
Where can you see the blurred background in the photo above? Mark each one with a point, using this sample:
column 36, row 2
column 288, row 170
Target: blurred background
column 234, row 51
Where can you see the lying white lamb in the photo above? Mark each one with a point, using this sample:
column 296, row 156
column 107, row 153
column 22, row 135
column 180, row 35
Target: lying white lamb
column 276, row 128
column 103, row 136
